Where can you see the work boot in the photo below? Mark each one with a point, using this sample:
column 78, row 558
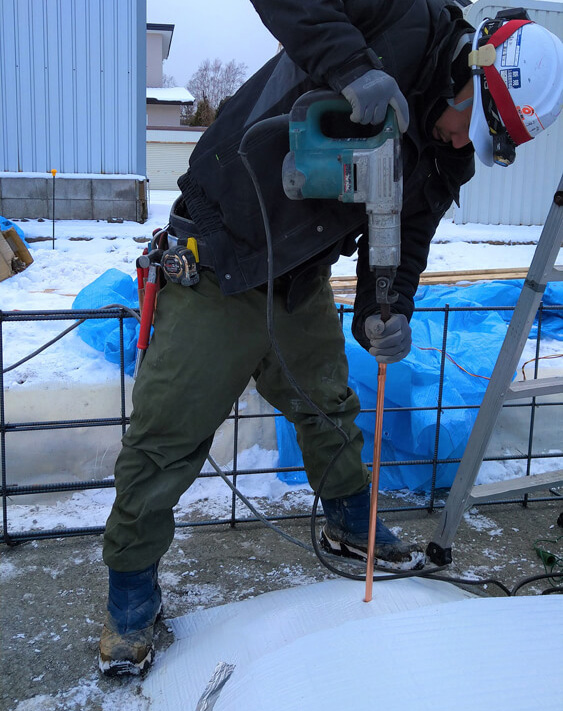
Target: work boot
column 134, row 604
column 345, row 533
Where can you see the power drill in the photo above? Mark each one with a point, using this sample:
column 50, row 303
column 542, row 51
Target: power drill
column 351, row 169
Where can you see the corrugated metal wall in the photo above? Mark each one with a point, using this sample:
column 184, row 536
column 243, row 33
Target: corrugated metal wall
column 72, row 86
column 522, row 193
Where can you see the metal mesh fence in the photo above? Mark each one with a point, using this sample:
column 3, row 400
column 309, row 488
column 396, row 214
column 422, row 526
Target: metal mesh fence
column 11, row 490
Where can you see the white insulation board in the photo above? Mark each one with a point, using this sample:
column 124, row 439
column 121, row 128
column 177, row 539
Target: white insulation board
column 418, row 644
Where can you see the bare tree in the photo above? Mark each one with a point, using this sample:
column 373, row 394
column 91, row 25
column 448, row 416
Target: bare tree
column 168, row 81
column 215, row 80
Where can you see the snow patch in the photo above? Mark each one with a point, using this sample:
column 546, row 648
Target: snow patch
column 87, row 693
column 481, row 523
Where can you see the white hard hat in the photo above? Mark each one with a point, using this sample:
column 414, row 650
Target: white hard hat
column 518, row 86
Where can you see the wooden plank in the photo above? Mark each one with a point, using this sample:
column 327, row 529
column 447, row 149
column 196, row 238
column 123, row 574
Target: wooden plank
column 500, row 489
column 347, row 284
column 534, row 388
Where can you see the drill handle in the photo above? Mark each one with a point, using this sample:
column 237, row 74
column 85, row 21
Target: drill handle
column 385, row 312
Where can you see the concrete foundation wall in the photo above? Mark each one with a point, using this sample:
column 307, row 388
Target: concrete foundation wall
column 84, row 198
column 73, row 455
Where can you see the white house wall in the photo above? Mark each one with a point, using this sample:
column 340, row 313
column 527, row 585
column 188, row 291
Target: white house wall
column 522, row 193
column 72, row 86
column 154, row 59
column 163, row 115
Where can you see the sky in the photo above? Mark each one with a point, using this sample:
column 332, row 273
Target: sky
column 223, row 29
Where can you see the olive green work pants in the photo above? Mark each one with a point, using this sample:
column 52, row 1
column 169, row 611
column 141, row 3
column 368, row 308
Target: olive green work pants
column 205, row 348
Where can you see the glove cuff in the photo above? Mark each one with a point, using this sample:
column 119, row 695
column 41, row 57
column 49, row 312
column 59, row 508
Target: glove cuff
column 355, row 67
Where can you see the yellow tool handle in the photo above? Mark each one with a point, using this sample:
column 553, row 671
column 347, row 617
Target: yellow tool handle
column 192, row 246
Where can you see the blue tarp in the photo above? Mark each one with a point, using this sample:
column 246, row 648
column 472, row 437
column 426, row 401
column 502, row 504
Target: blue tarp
column 474, row 340
column 112, row 287
column 5, row 225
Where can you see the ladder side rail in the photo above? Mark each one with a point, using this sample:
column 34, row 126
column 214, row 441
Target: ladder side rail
column 549, row 244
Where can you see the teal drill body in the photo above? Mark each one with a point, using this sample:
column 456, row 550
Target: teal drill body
column 365, row 169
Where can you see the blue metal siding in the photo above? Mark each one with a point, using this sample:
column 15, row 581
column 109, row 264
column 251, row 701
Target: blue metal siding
column 72, row 78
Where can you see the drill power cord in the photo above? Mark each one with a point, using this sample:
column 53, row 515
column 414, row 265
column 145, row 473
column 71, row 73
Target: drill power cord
column 132, row 313
column 315, row 549
column 272, row 123
column 383, row 574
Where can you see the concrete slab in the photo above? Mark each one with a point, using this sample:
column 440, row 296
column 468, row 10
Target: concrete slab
column 70, row 208
column 71, row 189
column 18, row 208
column 76, row 198
column 30, row 188
column 114, row 189
column 116, row 209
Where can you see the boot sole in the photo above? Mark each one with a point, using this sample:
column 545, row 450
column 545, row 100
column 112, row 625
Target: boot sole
column 126, row 667
column 416, row 561
column 122, row 667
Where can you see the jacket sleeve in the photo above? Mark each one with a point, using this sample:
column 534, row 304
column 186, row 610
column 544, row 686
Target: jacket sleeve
column 320, row 38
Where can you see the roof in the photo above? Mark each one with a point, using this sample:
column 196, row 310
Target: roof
column 166, row 31
column 170, row 95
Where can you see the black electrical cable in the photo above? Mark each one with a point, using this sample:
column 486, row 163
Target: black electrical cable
column 425, row 573
column 58, row 337
column 533, row 578
column 275, row 122
column 258, row 128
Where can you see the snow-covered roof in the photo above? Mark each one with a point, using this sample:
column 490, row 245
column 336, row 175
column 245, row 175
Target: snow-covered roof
column 171, row 95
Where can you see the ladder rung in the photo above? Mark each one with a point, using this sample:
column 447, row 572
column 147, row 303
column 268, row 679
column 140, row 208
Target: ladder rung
column 534, row 388
column 556, row 274
column 499, row 489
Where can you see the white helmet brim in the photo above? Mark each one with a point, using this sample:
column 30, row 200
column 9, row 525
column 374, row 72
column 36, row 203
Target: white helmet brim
column 479, row 133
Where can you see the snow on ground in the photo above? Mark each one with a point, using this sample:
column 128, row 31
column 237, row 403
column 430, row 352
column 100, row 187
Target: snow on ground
column 85, row 249
column 212, row 494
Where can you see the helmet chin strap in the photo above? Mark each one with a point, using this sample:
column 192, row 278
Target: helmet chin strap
column 465, row 104
column 485, row 57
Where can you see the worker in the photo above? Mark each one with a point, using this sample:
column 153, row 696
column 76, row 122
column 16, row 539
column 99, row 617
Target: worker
column 452, row 96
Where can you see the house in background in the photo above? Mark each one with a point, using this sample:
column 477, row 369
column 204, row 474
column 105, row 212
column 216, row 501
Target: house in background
column 72, row 99
column 169, row 145
column 163, row 104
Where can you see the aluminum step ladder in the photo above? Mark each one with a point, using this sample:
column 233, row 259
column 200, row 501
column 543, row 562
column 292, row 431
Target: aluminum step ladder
column 463, row 493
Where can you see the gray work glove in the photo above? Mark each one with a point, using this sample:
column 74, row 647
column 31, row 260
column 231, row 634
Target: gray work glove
column 390, row 341
column 369, row 96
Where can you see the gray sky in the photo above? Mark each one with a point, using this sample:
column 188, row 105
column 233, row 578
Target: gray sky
column 206, row 29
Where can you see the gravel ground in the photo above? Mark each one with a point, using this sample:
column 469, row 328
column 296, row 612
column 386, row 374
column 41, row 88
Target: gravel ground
column 53, row 591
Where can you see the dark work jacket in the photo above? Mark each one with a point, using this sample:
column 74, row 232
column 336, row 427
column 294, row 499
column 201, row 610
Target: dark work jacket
column 328, row 44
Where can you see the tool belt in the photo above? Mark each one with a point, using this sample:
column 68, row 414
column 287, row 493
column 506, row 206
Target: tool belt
column 182, row 231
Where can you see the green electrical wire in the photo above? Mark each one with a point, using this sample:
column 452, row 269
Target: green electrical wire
column 552, row 562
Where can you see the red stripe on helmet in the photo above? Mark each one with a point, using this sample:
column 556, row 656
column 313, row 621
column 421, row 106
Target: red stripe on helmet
column 499, row 90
